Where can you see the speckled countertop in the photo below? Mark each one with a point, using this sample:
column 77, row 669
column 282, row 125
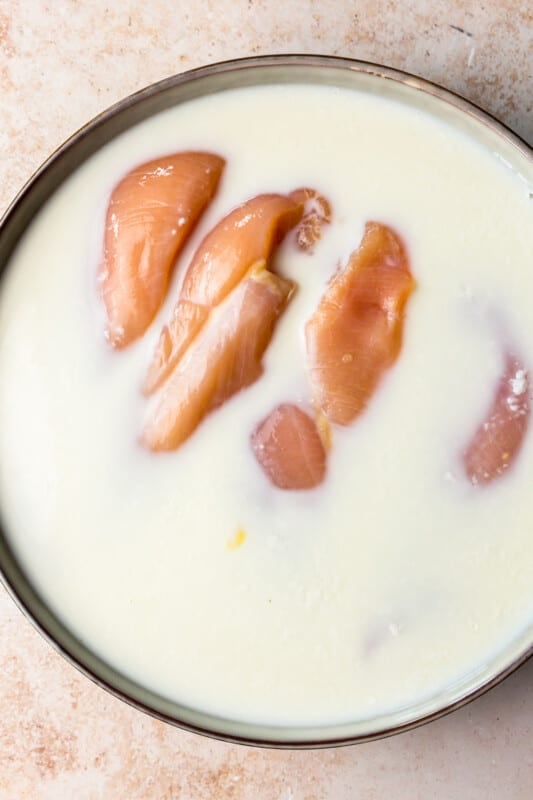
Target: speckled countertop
column 61, row 62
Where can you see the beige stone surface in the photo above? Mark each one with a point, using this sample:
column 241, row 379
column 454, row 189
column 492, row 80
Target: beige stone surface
column 61, row 62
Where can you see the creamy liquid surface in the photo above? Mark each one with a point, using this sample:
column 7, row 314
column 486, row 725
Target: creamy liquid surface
column 393, row 579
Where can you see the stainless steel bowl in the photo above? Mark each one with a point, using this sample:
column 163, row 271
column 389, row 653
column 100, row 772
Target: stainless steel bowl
column 295, row 69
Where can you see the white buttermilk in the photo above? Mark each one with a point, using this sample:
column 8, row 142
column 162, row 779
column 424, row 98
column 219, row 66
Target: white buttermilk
column 393, row 579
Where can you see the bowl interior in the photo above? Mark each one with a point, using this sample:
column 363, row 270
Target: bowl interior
column 358, row 76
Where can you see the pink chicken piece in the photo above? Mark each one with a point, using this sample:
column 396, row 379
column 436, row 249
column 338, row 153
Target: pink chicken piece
column 498, row 439
column 355, row 334
column 224, row 359
column 248, row 235
column 149, row 217
column 289, row 449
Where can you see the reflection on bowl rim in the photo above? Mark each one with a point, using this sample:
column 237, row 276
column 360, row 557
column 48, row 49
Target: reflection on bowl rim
column 288, row 69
